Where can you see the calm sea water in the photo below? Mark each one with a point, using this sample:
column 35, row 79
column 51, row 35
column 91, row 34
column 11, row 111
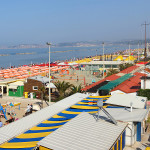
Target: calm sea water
column 40, row 55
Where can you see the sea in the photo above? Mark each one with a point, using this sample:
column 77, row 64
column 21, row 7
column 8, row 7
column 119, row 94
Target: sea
column 19, row 57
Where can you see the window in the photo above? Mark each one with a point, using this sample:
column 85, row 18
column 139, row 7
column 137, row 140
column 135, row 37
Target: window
column 107, row 66
column 114, row 66
column 35, row 87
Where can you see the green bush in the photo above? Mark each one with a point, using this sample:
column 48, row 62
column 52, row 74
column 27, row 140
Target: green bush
column 124, row 66
column 144, row 93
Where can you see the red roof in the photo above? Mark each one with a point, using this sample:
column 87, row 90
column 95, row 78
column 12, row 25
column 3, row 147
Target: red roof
column 130, row 86
column 130, row 69
column 142, row 62
column 110, row 78
column 139, row 74
column 147, row 69
column 51, row 64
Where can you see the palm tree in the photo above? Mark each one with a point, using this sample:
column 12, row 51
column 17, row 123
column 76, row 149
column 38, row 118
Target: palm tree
column 111, row 72
column 124, row 66
column 62, row 87
column 75, row 89
column 42, row 91
column 127, row 65
column 121, row 67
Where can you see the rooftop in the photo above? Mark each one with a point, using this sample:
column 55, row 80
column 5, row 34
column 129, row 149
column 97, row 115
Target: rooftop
column 103, row 62
column 125, row 114
column 130, row 86
column 13, row 129
column 40, row 78
column 93, row 135
column 126, row 100
column 129, row 70
column 110, row 78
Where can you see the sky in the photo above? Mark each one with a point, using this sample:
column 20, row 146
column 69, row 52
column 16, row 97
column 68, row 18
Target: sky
column 56, row 21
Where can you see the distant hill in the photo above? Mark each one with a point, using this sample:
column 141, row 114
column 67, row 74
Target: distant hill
column 78, row 44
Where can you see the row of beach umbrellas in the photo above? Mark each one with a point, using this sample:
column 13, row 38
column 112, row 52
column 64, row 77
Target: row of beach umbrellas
column 27, row 71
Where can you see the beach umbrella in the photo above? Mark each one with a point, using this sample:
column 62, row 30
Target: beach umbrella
column 6, row 76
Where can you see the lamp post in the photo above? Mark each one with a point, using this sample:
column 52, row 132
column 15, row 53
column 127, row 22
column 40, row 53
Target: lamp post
column 138, row 50
column 49, row 44
column 129, row 54
column 103, row 59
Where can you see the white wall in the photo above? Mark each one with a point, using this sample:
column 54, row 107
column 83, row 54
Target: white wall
column 130, row 134
column 147, row 86
column 121, row 92
column 117, row 92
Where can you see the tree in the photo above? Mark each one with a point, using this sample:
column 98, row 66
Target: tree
column 144, row 93
column 75, row 89
column 111, row 72
column 121, row 67
column 124, row 66
column 62, row 88
column 42, row 91
column 127, row 65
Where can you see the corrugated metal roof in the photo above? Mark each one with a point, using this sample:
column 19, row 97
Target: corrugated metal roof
column 14, row 85
column 40, row 78
column 103, row 62
column 130, row 69
column 11, row 130
column 126, row 100
column 51, row 86
column 17, row 83
column 115, row 83
column 130, row 86
column 110, row 78
column 84, row 133
column 7, row 81
column 137, row 115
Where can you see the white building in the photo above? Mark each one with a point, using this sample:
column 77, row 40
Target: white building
column 98, row 65
column 127, row 100
column 145, row 81
column 136, row 119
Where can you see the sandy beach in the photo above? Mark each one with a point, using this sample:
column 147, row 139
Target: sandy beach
column 23, row 106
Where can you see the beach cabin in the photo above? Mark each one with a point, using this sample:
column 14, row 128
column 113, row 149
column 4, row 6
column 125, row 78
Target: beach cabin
column 33, row 84
column 16, row 89
column 4, row 90
column 133, row 110
column 86, row 132
column 136, row 119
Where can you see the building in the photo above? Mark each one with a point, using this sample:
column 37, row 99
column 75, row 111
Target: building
column 99, row 66
column 105, row 90
column 93, row 87
column 127, row 100
column 15, row 130
column 145, row 80
column 131, row 85
column 16, row 89
column 4, row 89
column 84, row 132
column 98, row 133
column 136, row 119
column 33, row 84
column 28, row 131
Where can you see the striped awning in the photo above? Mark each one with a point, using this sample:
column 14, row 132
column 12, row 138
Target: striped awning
column 29, row 139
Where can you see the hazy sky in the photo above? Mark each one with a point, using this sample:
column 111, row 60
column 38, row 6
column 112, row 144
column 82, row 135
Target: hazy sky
column 38, row 21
